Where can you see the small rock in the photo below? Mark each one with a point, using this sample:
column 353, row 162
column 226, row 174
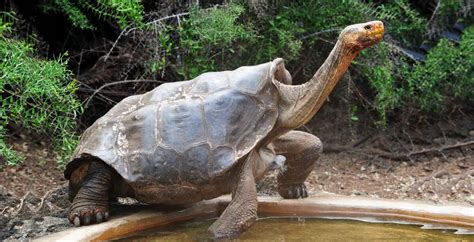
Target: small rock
column 471, row 133
column 428, row 168
column 360, row 193
column 441, row 174
column 373, row 169
column 463, row 165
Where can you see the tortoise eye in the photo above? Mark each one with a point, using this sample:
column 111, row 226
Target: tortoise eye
column 368, row 27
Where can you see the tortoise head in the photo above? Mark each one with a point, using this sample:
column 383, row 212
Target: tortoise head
column 360, row 36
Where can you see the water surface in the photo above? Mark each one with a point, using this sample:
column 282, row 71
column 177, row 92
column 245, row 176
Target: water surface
column 286, row 229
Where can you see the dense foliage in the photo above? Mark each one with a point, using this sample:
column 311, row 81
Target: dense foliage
column 216, row 35
column 36, row 94
column 39, row 94
column 124, row 12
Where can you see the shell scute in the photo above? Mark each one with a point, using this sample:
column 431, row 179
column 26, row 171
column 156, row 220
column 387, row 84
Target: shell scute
column 227, row 114
column 221, row 158
column 185, row 132
column 209, row 82
column 194, row 163
column 250, row 79
column 141, row 129
column 181, row 124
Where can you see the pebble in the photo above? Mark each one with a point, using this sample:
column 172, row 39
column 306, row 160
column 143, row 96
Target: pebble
column 463, row 165
column 427, row 168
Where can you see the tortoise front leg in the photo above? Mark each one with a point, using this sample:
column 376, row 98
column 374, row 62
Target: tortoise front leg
column 242, row 210
column 301, row 150
column 91, row 203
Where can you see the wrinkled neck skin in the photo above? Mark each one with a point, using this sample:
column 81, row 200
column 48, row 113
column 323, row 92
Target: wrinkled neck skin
column 301, row 102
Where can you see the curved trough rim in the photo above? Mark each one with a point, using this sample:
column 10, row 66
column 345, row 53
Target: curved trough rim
column 323, row 205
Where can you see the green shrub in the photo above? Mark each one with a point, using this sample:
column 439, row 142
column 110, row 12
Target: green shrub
column 6, row 152
column 36, row 94
column 404, row 24
column 208, row 36
column 447, row 71
column 225, row 38
column 123, row 12
column 381, row 73
column 278, row 38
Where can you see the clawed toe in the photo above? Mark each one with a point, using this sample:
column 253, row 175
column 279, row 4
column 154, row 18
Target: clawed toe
column 86, row 216
column 77, row 221
column 293, row 192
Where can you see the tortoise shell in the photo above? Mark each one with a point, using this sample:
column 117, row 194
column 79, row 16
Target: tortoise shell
column 189, row 131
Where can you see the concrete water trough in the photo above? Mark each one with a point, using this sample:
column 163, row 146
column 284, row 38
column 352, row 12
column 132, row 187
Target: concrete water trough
column 459, row 218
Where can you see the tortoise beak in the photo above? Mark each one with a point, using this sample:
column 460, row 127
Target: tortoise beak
column 378, row 30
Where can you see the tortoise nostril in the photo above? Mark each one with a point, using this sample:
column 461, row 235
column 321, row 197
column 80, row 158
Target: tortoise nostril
column 368, row 27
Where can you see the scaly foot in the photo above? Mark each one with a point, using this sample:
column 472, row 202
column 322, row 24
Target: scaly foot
column 293, row 191
column 86, row 215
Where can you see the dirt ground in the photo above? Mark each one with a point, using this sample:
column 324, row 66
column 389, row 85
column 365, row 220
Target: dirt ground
column 33, row 195
column 342, row 173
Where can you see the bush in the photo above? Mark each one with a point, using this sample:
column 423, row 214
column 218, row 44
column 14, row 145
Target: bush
column 123, row 12
column 36, row 94
column 447, row 71
column 227, row 36
column 210, row 35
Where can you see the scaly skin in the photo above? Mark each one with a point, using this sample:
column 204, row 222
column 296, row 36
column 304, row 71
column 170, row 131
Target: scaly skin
column 91, row 203
column 242, row 210
column 301, row 150
column 299, row 103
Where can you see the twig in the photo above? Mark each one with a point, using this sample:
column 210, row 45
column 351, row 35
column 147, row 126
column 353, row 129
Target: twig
column 110, row 93
column 127, row 30
column 396, row 156
column 404, row 147
column 435, row 12
column 437, row 174
column 38, row 208
column 401, row 50
column 22, row 202
column 4, row 209
column 431, row 22
column 114, row 44
column 165, row 18
column 116, row 83
column 320, row 32
column 90, row 88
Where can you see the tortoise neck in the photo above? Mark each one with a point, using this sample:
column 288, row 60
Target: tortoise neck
column 303, row 101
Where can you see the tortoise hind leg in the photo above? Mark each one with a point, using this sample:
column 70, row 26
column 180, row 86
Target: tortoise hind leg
column 242, row 210
column 301, row 150
column 91, row 202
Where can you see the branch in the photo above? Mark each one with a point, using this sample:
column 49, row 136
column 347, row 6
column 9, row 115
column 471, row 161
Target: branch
column 406, row 52
column 127, row 29
column 109, row 93
column 116, row 83
column 320, row 32
column 395, row 156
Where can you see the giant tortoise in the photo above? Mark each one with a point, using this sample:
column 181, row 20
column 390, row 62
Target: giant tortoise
column 188, row 141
